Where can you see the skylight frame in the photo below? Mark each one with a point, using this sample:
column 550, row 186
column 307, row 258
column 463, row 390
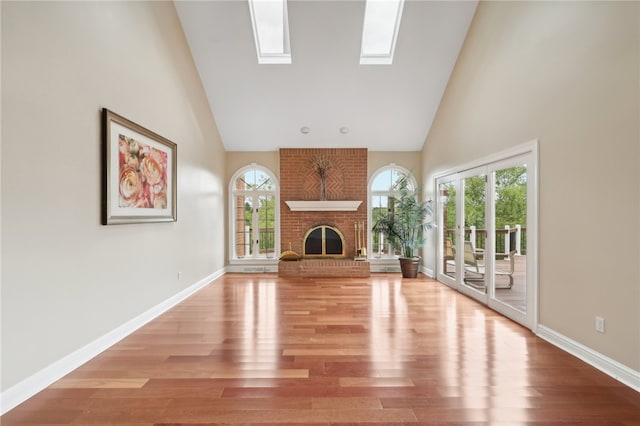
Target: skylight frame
column 281, row 57
column 381, row 58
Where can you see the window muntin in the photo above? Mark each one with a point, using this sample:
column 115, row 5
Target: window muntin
column 254, row 179
column 387, row 180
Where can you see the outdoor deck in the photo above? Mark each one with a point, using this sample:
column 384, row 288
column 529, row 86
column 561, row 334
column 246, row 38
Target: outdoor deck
column 514, row 296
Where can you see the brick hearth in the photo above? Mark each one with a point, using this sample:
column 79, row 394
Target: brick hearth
column 324, row 268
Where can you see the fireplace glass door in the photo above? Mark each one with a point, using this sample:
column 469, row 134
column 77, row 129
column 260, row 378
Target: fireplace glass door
column 324, row 241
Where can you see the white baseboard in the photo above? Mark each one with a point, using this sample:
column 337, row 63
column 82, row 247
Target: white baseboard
column 24, row 390
column 251, row 269
column 613, row 368
column 427, row 271
column 384, row 268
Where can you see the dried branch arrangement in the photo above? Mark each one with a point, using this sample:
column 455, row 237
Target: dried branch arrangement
column 322, row 164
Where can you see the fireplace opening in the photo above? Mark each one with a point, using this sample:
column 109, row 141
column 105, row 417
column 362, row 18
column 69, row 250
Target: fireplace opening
column 324, row 241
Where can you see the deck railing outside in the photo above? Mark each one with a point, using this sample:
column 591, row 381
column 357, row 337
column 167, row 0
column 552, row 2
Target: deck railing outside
column 244, row 243
column 507, row 239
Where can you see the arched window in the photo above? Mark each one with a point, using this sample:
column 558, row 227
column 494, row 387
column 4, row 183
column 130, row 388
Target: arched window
column 383, row 188
column 254, row 214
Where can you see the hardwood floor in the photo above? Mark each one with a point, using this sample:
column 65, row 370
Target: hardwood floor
column 257, row 349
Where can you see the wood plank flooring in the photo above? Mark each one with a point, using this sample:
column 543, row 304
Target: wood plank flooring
column 262, row 350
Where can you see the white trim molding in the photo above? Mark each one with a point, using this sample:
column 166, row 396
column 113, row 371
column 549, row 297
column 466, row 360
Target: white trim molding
column 611, row 367
column 427, row 271
column 24, row 390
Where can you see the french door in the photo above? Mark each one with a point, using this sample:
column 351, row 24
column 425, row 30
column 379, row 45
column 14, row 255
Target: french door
column 255, row 233
column 487, row 235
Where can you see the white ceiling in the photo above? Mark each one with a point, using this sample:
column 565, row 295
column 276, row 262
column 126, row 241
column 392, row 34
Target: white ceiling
column 385, row 107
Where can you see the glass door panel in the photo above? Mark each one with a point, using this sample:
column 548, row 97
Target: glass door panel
column 511, row 201
column 380, row 209
column 473, row 244
column 243, row 228
column 447, row 235
column 382, row 206
column 266, row 226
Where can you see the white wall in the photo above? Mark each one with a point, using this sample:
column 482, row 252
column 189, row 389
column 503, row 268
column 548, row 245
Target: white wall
column 66, row 279
column 566, row 73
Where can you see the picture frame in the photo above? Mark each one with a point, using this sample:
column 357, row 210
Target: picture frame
column 139, row 173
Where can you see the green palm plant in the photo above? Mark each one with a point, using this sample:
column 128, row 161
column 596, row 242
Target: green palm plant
column 405, row 226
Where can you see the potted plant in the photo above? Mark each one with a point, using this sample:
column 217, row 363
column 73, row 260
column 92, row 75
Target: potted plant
column 405, row 226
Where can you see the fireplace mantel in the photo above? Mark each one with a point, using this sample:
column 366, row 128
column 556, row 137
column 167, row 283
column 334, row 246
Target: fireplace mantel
column 324, row 206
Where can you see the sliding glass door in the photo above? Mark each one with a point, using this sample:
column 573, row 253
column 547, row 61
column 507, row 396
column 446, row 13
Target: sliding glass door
column 487, row 234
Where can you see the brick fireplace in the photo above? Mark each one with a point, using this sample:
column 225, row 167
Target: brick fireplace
column 345, row 181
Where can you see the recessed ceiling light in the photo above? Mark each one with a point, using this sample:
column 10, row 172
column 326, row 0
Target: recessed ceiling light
column 304, row 130
column 270, row 22
column 380, row 31
column 344, row 130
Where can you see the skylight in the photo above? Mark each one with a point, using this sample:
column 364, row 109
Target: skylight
column 271, row 31
column 381, row 26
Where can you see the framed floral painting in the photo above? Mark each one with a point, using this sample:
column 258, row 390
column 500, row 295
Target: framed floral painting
column 138, row 173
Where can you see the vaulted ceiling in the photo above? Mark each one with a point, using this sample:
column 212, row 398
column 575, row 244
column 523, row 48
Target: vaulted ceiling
column 383, row 107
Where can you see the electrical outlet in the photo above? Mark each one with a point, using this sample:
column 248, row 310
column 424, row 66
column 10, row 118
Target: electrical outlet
column 600, row 324
column 179, row 276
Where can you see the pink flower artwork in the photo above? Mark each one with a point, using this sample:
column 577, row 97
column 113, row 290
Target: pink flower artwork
column 143, row 175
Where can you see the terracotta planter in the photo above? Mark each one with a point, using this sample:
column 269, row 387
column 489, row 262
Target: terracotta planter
column 409, row 266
